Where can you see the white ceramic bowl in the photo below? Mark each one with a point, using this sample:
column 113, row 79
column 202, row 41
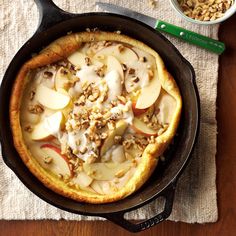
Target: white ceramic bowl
column 228, row 13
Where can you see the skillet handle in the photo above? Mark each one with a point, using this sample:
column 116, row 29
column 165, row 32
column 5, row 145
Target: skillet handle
column 168, row 194
column 50, row 14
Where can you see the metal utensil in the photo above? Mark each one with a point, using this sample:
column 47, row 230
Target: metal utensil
column 186, row 35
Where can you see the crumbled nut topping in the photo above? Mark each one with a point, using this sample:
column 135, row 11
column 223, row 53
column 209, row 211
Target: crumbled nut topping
column 205, row 10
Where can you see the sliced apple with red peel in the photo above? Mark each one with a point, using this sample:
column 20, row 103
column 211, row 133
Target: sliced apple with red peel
column 60, row 162
column 114, row 64
column 49, row 127
column 149, row 93
column 136, row 111
column 51, row 98
column 148, row 112
column 119, row 129
column 141, row 128
column 124, row 55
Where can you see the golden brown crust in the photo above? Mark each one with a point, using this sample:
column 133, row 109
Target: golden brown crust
column 58, row 50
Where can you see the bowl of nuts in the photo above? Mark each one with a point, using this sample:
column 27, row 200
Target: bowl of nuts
column 205, row 12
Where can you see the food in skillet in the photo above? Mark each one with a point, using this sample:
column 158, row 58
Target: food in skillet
column 92, row 113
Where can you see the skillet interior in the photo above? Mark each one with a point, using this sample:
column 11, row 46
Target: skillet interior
column 177, row 155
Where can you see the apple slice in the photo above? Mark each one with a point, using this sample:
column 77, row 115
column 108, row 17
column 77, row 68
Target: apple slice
column 51, row 98
column 147, row 112
column 118, row 155
column 62, row 78
column 113, row 81
column 149, row 93
column 133, row 152
column 77, row 59
column 105, row 171
column 82, row 179
column 49, row 127
column 119, row 129
column 136, row 111
column 97, row 187
column 114, row 64
column 125, row 55
column 55, row 122
column 60, row 163
column 167, row 105
column 141, row 128
column 40, row 133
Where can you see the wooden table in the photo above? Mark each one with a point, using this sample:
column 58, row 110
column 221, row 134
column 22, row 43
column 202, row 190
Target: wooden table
column 226, row 171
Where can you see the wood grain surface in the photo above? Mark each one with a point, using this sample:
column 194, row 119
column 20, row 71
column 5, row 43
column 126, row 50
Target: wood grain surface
column 226, row 171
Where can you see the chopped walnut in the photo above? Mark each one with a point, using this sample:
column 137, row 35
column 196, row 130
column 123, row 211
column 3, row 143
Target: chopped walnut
column 47, row 160
column 32, row 94
column 100, row 71
column 103, row 135
column 28, row 128
column 83, row 150
column 117, row 139
column 152, row 139
column 124, row 67
column 121, row 48
column 205, row 10
column 36, row 109
column 131, row 71
column 122, row 99
column 135, row 79
column 88, row 61
column 107, row 43
column 143, row 59
column 150, row 73
column 47, row 74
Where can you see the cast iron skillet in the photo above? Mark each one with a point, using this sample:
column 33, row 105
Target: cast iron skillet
column 55, row 23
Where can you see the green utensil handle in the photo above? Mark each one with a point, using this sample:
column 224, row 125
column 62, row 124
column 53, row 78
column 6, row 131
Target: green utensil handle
column 191, row 37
